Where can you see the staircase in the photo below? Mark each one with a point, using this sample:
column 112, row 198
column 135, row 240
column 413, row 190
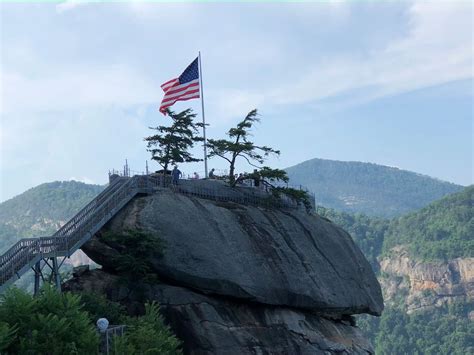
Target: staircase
column 28, row 251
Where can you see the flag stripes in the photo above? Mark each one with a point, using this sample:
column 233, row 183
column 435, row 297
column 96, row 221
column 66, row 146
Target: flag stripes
column 185, row 87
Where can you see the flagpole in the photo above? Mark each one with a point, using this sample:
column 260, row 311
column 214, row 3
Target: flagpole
column 203, row 117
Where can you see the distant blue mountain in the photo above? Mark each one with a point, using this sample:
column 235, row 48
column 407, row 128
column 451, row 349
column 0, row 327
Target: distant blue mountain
column 372, row 189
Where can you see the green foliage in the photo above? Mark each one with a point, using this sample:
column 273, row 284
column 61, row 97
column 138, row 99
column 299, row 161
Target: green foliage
column 171, row 144
column 98, row 306
column 147, row 335
column 56, row 323
column 300, row 196
column 369, row 325
column 444, row 330
column 136, row 249
column 7, row 335
column 273, row 175
column 41, row 210
column 441, row 231
column 239, row 145
column 371, row 189
column 52, row 323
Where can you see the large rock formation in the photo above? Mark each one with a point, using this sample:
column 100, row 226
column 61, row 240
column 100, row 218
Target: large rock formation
column 425, row 285
column 237, row 279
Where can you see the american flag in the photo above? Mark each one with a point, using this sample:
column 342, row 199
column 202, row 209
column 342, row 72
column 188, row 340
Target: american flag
column 185, row 87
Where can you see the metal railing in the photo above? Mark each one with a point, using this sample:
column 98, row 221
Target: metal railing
column 90, row 219
column 108, row 338
column 246, row 192
column 238, row 195
column 70, row 237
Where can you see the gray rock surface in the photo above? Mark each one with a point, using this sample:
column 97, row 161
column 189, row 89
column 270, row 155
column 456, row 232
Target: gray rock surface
column 272, row 257
column 240, row 279
column 426, row 284
column 218, row 325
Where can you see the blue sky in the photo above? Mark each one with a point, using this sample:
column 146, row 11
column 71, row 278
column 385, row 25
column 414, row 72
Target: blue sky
column 389, row 83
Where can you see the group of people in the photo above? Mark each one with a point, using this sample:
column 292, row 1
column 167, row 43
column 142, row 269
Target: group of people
column 240, row 178
column 176, row 174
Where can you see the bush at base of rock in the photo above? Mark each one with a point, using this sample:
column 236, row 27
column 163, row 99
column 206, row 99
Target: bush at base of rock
column 98, row 306
column 52, row 323
column 64, row 323
column 147, row 334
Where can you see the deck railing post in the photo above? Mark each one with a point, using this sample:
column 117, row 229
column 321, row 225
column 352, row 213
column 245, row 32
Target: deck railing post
column 57, row 276
column 37, row 277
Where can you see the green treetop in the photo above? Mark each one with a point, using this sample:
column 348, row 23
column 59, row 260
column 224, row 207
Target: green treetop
column 239, row 145
column 171, row 144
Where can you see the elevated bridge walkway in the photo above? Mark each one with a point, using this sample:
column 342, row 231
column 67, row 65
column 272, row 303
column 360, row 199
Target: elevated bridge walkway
column 38, row 253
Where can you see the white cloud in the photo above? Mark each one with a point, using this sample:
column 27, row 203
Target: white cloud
column 227, row 104
column 69, row 5
column 438, row 49
column 76, row 88
column 167, row 12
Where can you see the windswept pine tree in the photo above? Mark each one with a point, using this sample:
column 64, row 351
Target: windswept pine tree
column 171, row 144
column 239, row 145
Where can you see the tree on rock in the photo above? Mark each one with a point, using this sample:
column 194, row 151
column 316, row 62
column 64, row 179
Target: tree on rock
column 171, row 144
column 239, row 145
column 273, row 175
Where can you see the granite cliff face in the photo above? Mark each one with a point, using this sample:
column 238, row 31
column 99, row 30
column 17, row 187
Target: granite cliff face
column 237, row 279
column 426, row 285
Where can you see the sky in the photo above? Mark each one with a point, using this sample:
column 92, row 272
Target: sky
column 383, row 82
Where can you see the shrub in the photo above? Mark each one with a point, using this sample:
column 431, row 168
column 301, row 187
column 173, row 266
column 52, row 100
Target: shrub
column 7, row 335
column 300, row 196
column 98, row 306
column 147, row 335
column 52, row 323
column 136, row 249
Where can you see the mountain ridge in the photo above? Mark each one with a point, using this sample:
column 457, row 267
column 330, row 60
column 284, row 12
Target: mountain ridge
column 372, row 189
column 42, row 210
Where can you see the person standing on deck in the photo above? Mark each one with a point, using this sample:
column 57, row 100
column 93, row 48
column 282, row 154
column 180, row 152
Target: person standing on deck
column 256, row 178
column 176, row 174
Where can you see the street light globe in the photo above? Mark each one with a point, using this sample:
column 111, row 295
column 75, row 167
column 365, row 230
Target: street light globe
column 102, row 324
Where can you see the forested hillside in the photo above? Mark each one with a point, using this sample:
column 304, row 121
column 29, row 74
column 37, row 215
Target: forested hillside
column 429, row 303
column 42, row 210
column 444, row 330
column 375, row 190
column 443, row 230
